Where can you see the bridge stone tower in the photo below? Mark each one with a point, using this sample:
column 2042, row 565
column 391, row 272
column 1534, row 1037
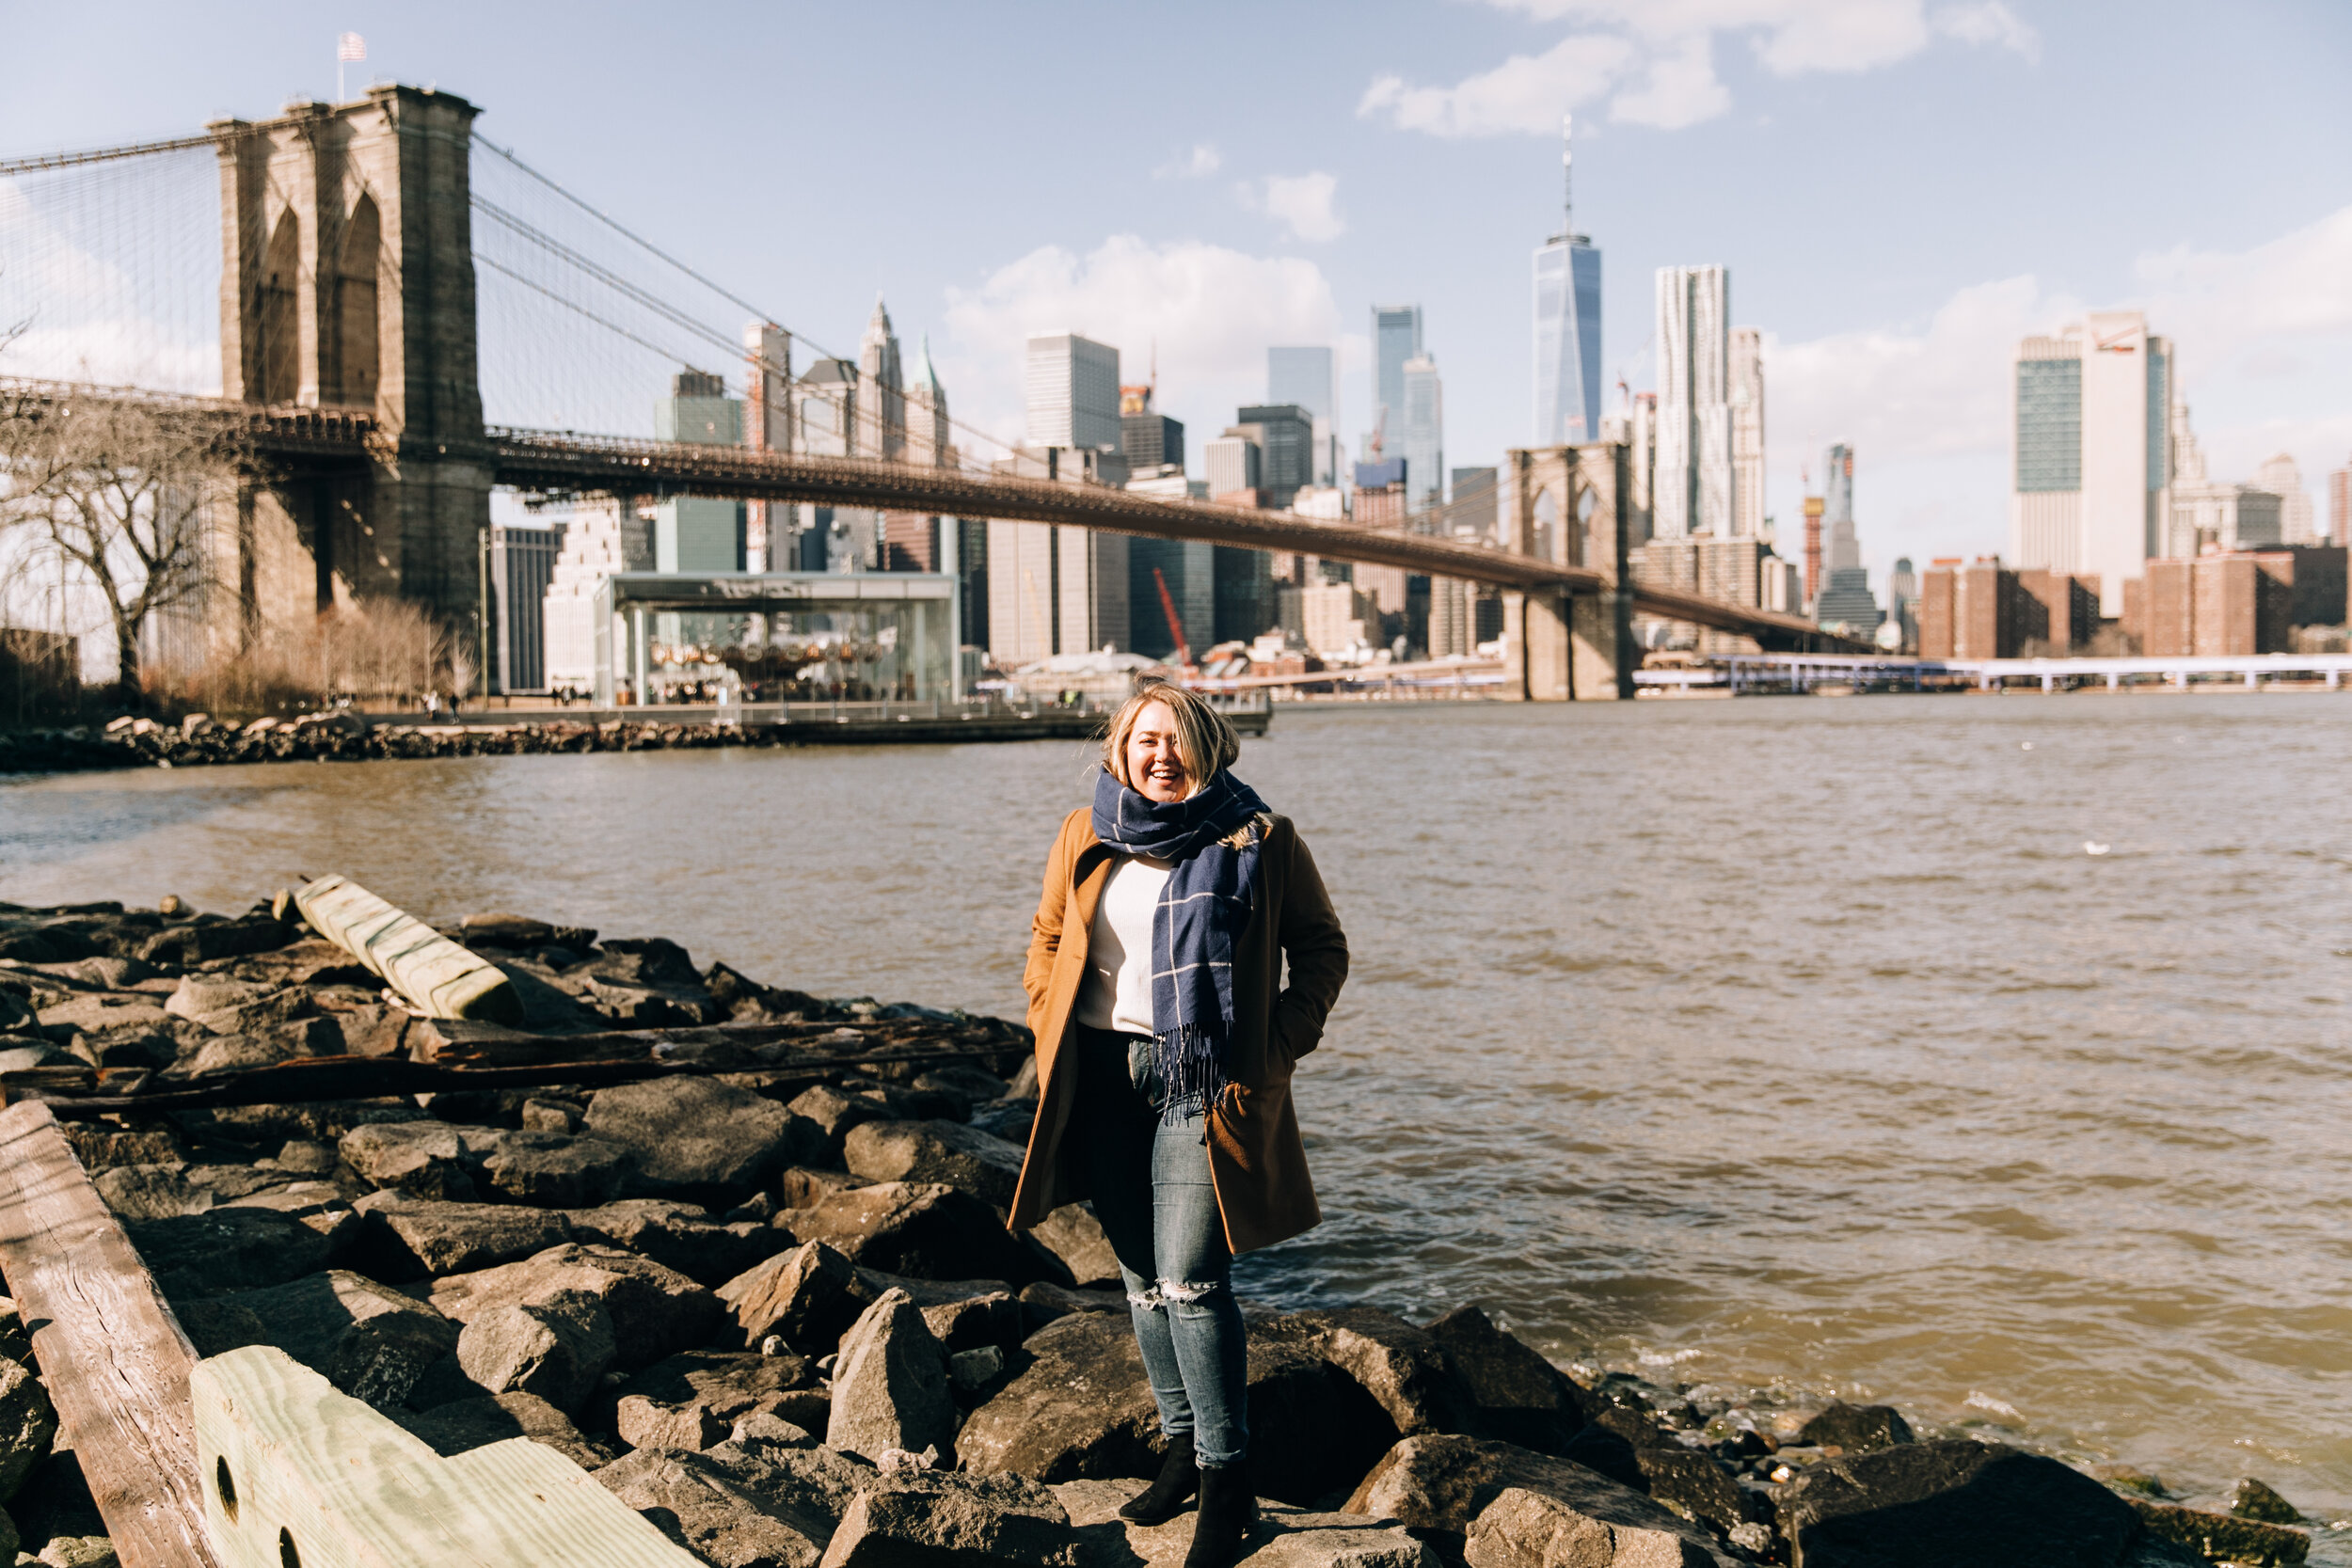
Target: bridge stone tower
column 1569, row 505
column 347, row 281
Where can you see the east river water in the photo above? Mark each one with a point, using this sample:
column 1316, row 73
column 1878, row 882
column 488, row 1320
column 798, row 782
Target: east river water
column 1772, row 1044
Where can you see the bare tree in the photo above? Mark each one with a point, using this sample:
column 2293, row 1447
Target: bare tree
column 116, row 496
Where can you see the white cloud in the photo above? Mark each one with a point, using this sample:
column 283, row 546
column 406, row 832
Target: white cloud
column 1301, row 202
column 1209, row 311
column 1199, row 164
column 1657, row 58
column 1527, row 92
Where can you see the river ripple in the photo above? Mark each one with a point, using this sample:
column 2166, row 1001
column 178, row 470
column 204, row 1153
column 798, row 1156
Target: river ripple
column 1768, row 1044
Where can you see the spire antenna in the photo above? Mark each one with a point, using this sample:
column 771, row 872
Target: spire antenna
column 1568, row 176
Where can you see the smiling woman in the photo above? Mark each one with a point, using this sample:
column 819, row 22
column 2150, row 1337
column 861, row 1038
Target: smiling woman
column 1165, row 1045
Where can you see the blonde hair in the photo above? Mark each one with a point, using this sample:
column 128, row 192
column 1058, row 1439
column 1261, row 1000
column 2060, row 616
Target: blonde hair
column 1205, row 741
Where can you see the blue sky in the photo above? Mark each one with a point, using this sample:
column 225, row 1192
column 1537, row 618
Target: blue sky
column 1900, row 187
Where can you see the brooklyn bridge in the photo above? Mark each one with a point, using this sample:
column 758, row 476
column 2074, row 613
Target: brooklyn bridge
column 378, row 300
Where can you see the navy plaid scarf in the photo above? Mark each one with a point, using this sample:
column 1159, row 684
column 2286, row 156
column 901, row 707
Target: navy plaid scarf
column 1199, row 922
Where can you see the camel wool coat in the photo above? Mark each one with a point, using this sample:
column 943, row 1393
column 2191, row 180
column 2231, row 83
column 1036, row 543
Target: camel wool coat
column 1256, row 1158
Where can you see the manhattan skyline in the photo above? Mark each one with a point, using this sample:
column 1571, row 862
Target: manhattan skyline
column 1902, row 190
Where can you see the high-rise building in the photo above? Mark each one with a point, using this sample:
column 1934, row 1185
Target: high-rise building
column 1692, row 486
column 2092, row 450
column 1304, row 378
column 767, row 427
column 1395, row 339
column 1054, row 589
column 1425, row 433
column 1188, row 568
column 1150, row 439
column 1235, row 466
column 1841, row 550
column 522, row 564
column 698, row 533
column 1072, row 386
column 2283, row 477
column 1568, row 323
column 1286, row 436
column 1747, row 432
column 881, row 388
column 2340, row 505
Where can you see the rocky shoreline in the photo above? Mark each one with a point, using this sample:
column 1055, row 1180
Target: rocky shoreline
column 773, row 1306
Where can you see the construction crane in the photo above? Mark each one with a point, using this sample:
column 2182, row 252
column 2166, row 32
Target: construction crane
column 1175, row 627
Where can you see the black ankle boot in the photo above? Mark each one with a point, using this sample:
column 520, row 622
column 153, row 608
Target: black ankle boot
column 1227, row 1508
column 1165, row 1497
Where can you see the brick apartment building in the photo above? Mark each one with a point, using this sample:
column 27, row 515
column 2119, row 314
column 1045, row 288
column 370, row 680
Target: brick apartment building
column 1984, row 610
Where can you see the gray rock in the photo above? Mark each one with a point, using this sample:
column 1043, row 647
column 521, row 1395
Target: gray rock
column 681, row 1236
column 411, row 1237
column 962, row 1082
column 2221, row 1537
column 1045, row 1302
column 150, row 1192
column 2255, row 1499
column 1075, row 1236
column 1517, row 1394
column 1284, row 1537
column 78, row 1551
column 809, row 1295
column 890, row 1384
column 556, row 1170
column 1856, row 1427
column 973, row 1371
column 467, row 1424
column 220, row 1326
column 241, row 1249
column 1313, row 1430
column 695, row 1399
column 991, row 1320
column 695, row 1136
column 261, row 1045
column 308, row 1157
column 422, row 1159
column 100, row 1146
column 367, row 1340
column 1441, row 1483
column 1533, row 1529
column 1401, row 1367
column 987, row 1167
column 923, row 1518
column 1080, row 1409
column 546, row 1114
column 926, row 1229
column 28, row 1425
column 1943, row 1505
column 835, row 1115
column 718, row 1511
column 557, row 1348
column 654, row 1312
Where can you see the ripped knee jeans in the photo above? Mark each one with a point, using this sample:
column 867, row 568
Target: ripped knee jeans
column 1151, row 1191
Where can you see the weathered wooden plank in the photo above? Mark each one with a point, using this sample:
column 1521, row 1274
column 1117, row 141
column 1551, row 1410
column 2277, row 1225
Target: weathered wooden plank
column 112, row 1353
column 297, row 1472
column 439, row 976
column 307, row 1080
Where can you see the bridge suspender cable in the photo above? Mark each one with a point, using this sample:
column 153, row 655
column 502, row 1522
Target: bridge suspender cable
column 104, row 154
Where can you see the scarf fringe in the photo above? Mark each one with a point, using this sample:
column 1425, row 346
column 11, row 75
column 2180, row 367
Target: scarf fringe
column 1191, row 1062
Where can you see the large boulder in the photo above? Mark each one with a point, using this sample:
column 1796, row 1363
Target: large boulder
column 1401, row 1367
column 967, row 1160
column 556, row 1349
column 410, row 1238
column 1949, row 1504
column 150, row 1192
column 654, row 1312
column 1533, row 1529
column 922, row 1517
column 692, row 1399
column 718, row 1511
column 2221, row 1538
column 556, row 1170
column 241, row 1249
column 697, row 1137
column 1075, row 1238
column 1441, row 1483
column 1626, row 1446
column 1284, row 1537
column 1516, row 1394
column 474, row 1423
column 890, row 1384
column 1081, row 1408
column 368, row 1341
column 423, row 1159
column 836, row 1114
column 926, row 1229
column 809, row 1296
column 27, row 1425
column 1856, row 1427
column 681, row 1236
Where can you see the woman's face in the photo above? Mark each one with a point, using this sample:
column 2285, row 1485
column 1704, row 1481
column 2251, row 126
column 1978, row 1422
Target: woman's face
column 1154, row 769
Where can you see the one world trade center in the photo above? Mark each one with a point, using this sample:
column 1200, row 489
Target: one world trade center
column 1567, row 325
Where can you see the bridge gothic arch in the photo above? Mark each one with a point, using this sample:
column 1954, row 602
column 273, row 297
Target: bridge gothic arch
column 1567, row 505
column 358, row 352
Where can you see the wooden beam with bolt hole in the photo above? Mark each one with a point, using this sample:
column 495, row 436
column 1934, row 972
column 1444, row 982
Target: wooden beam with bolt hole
column 115, row 1359
column 294, row 1472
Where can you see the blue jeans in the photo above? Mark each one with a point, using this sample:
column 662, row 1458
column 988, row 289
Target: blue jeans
column 1151, row 1190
